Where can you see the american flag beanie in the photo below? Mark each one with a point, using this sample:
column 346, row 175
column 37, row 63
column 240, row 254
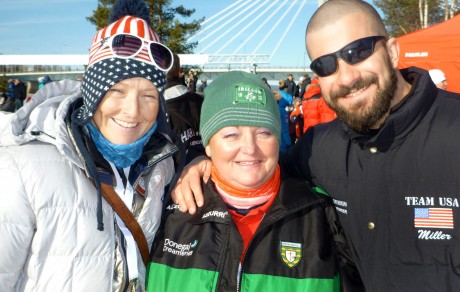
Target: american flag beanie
column 106, row 69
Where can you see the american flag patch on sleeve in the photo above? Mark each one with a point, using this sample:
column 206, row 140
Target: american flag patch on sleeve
column 433, row 218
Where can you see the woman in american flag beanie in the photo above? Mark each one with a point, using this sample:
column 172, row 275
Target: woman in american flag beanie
column 127, row 59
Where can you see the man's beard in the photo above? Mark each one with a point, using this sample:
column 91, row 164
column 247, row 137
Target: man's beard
column 358, row 117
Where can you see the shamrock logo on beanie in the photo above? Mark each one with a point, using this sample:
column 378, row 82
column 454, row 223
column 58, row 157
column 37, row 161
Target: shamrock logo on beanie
column 238, row 98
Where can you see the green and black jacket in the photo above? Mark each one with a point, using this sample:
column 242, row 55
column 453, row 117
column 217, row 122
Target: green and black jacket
column 299, row 246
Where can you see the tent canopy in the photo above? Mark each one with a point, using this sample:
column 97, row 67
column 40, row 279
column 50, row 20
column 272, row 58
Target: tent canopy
column 435, row 47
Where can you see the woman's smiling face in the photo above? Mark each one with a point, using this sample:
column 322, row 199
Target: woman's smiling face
column 245, row 156
column 128, row 110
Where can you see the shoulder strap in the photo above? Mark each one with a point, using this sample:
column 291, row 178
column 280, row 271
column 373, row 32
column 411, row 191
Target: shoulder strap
column 125, row 214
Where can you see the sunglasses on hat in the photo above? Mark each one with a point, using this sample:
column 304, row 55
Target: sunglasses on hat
column 127, row 46
column 352, row 53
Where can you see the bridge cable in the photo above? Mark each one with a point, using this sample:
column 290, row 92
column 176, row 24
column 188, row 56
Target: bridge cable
column 234, row 26
column 230, row 20
column 216, row 22
column 247, row 26
column 287, row 30
column 275, row 26
column 211, row 18
column 259, row 28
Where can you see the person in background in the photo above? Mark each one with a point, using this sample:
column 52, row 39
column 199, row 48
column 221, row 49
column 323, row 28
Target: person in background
column 265, row 81
column 298, row 87
column 390, row 161
column 19, row 93
column 192, row 80
column 289, row 109
column 306, row 80
column 314, row 107
column 296, row 118
column 182, row 77
column 184, row 109
column 10, row 88
column 282, row 85
column 85, row 165
column 438, row 78
column 260, row 230
column 284, row 101
column 6, row 104
column 3, row 98
column 291, row 85
column 9, row 104
column 43, row 81
column 202, row 87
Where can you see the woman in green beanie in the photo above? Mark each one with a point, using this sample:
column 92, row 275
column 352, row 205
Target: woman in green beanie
column 259, row 230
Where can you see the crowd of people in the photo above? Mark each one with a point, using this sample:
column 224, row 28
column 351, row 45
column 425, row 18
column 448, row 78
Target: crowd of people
column 16, row 94
column 14, row 97
column 134, row 179
column 302, row 106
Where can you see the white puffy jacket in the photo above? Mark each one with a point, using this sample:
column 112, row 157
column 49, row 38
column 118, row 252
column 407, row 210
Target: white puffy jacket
column 48, row 235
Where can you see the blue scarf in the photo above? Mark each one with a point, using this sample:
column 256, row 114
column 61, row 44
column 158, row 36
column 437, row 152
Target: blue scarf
column 121, row 155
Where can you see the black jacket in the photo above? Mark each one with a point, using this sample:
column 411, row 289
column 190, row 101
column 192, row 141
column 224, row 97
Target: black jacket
column 385, row 183
column 184, row 118
column 291, row 85
column 20, row 91
column 203, row 252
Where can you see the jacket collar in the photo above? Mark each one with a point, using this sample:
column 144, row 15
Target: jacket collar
column 404, row 117
column 294, row 195
column 157, row 149
column 214, row 209
column 292, row 198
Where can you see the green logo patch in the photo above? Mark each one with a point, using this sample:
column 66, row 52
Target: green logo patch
column 245, row 93
column 291, row 252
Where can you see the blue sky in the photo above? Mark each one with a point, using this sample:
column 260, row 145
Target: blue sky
column 60, row 27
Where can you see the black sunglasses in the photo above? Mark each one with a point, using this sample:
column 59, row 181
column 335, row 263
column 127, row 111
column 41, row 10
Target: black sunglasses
column 352, row 53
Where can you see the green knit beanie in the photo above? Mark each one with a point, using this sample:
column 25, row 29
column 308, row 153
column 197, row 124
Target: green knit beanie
column 238, row 98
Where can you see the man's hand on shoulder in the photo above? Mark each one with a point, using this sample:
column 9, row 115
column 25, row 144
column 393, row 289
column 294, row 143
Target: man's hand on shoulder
column 188, row 193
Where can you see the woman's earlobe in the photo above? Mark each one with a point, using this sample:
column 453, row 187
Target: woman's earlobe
column 208, row 150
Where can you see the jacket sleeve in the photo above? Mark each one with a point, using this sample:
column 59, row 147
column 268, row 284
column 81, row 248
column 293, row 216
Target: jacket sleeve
column 286, row 99
column 295, row 115
column 295, row 161
column 311, row 114
column 350, row 280
column 17, row 222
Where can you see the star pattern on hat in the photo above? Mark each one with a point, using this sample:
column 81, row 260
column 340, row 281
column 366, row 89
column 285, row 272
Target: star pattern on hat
column 102, row 75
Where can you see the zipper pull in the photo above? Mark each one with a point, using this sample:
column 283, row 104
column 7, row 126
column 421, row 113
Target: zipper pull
column 38, row 133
